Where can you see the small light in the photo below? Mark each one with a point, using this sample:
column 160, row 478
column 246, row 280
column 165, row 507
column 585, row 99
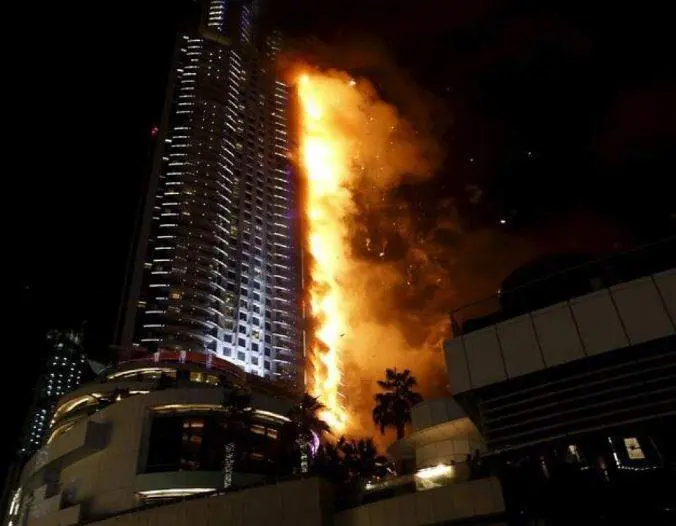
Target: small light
column 436, row 471
column 503, row 221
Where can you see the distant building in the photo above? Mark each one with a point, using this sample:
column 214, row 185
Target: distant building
column 216, row 269
column 62, row 372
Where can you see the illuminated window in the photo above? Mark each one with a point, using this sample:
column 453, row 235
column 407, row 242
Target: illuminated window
column 634, row 448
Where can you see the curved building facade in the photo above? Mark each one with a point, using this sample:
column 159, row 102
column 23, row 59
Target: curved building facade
column 216, row 269
column 153, row 429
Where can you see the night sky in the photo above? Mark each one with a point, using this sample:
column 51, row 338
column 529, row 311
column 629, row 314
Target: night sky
column 557, row 117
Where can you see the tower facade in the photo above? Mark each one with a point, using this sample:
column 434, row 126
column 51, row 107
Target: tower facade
column 216, row 267
column 62, row 373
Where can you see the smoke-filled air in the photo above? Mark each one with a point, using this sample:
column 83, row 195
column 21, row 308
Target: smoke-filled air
column 354, row 151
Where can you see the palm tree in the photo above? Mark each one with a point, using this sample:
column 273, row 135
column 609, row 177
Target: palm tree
column 305, row 427
column 305, row 415
column 362, row 461
column 393, row 407
column 349, row 464
column 329, row 462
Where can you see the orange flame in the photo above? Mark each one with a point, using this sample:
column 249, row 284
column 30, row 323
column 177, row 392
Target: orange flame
column 353, row 148
column 324, row 162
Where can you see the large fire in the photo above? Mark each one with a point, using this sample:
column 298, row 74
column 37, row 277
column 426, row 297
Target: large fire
column 353, row 148
column 327, row 166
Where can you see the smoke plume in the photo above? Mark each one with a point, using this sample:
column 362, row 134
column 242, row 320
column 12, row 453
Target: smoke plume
column 400, row 264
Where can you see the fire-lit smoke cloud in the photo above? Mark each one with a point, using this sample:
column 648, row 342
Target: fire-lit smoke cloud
column 354, row 150
column 398, row 256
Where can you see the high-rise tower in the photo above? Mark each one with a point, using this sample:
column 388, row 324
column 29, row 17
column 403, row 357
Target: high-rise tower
column 216, row 266
column 62, row 373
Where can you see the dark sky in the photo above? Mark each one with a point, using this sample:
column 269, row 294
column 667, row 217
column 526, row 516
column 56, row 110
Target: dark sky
column 555, row 107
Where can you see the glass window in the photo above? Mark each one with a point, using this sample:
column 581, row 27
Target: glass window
column 241, row 356
column 634, row 448
column 257, row 429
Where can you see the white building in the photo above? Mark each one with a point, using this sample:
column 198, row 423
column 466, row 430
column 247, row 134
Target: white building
column 216, row 267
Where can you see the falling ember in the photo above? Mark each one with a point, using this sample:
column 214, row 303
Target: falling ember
column 326, row 165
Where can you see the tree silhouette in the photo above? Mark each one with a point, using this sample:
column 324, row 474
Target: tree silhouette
column 362, row 461
column 305, row 416
column 305, row 426
column 349, row 463
column 393, row 407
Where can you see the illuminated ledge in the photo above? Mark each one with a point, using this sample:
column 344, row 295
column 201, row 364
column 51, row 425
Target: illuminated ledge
column 183, row 483
column 271, row 415
column 180, row 408
column 440, row 470
column 130, row 373
column 173, row 492
column 177, row 483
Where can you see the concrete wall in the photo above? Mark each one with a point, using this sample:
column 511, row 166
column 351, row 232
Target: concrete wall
column 626, row 314
column 295, row 503
column 443, row 451
column 309, row 503
column 434, row 412
column 97, row 461
column 435, row 506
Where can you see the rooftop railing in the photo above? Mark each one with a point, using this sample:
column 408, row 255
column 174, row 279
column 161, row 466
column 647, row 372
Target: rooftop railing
column 571, row 282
